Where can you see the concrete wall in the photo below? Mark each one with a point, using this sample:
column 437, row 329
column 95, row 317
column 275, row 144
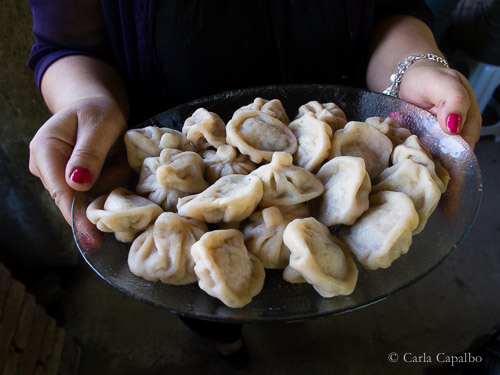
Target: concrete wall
column 32, row 231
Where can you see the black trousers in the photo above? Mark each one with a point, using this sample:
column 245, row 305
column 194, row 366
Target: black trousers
column 217, row 331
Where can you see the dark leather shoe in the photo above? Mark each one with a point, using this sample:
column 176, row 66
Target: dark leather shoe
column 238, row 359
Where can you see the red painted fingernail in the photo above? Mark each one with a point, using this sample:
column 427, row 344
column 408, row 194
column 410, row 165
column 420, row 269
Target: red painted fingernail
column 80, row 175
column 395, row 116
column 454, row 123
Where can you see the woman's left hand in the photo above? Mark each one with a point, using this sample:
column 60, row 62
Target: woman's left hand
column 447, row 94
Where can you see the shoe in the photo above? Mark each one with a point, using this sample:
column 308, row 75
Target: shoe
column 482, row 358
column 492, row 354
column 237, row 359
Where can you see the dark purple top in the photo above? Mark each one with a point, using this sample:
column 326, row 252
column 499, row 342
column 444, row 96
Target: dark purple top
column 173, row 51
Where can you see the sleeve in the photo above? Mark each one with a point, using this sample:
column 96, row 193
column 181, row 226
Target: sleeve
column 475, row 28
column 65, row 27
column 415, row 8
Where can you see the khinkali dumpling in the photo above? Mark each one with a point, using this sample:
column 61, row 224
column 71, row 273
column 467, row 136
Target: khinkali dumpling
column 272, row 108
column 384, row 232
column 314, row 139
column 414, row 180
column 181, row 170
column 347, row 187
column 148, row 184
column 226, row 269
column 225, row 161
column 292, row 276
column 172, row 175
column 327, row 112
column 163, row 251
column 230, row 198
column 286, row 184
column 123, row 213
column 321, row 258
column 364, row 141
column 263, row 233
column 259, row 134
column 205, row 129
column 443, row 174
column 390, row 128
column 412, row 149
column 149, row 141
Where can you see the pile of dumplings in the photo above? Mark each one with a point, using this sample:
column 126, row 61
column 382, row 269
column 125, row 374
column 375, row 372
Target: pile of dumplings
column 218, row 204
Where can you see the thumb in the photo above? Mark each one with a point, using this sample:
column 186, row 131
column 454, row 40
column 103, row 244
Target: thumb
column 444, row 92
column 92, row 144
column 460, row 113
column 452, row 111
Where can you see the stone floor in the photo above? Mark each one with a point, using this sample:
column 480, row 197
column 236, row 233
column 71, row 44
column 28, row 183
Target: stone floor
column 442, row 313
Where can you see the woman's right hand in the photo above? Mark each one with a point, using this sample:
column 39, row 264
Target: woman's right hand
column 68, row 151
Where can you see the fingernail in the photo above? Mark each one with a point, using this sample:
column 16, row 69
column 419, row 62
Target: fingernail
column 454, row 123
column 395, row 116
column 80, row 175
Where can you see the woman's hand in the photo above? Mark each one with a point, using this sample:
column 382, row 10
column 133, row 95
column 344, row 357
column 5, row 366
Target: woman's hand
column 444, row 92
column 68, row 151
column 447, row 94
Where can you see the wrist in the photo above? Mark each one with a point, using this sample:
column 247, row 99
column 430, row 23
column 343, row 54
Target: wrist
column 403, row 66
column 99, row 110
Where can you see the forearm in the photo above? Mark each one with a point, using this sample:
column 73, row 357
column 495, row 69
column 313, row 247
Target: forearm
column 77, row 77
column 393, row 40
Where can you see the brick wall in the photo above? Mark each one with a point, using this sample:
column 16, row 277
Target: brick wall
column 31, row 342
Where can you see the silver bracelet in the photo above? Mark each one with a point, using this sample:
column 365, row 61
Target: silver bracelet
column 403, row 66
